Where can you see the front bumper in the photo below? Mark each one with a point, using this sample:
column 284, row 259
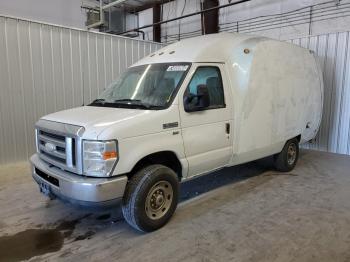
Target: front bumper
column 81, row 190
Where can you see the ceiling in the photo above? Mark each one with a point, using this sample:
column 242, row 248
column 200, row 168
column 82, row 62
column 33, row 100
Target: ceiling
column 135, row 6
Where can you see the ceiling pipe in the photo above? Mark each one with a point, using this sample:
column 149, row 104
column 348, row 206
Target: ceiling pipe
column 102, row 17
column 90, row 8
column 118, row 2
column 184, row 16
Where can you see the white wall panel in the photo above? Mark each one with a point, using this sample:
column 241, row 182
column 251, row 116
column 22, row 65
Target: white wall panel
column 189, row 26
column 47, row 68
column 146, row 18
column 333, row 52
column 263, row 17
column 279, row 19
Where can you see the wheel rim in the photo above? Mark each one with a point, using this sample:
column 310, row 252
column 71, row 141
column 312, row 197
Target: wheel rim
column 159, row 200
column 291, row 154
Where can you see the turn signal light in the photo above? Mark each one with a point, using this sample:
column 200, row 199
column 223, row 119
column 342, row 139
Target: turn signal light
column 109, row 155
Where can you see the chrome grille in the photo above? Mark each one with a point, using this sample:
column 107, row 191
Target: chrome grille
column 57, row 147
column 60, row 145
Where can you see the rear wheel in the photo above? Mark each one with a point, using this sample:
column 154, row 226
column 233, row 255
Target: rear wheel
column 151, row 198
column 286, row 160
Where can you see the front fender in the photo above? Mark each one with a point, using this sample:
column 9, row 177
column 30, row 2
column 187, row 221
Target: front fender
column 132, row 150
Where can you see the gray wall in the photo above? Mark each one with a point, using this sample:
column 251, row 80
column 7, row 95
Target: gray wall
column 62, row 12
column 46, row 68
column 333, row 51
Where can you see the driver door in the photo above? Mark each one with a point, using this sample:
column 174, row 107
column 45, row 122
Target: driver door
column 206, row 131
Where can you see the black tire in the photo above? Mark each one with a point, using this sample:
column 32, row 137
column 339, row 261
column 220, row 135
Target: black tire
column 138, row 192
column 284, row 161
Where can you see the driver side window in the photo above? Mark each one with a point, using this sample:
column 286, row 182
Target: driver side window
column 210, row 77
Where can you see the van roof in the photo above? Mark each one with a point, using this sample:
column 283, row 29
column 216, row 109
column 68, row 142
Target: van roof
column 216, row 48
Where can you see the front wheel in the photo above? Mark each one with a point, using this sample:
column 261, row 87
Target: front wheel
column 150, row 198
column 286, row 160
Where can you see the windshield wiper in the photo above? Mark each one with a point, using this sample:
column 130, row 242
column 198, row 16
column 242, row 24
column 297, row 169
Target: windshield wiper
column 137, row 102
column 100, row 100
column 128, row 100
column 125, row 102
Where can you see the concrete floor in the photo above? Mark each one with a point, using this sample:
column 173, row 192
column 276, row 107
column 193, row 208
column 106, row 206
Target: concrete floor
column 244, row 213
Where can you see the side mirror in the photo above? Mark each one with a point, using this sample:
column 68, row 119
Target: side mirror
column 197, row 102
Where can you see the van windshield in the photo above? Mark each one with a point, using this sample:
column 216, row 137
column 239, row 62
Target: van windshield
column 150, row 86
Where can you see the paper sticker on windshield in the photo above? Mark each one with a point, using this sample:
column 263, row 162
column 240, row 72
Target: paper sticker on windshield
column 177, row 68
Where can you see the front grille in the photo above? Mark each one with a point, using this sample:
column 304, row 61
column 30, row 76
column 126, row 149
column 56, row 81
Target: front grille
column 54, row 136
column 59, row 145
column 56, row 149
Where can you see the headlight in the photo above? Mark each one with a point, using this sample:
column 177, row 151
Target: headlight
column 99, row 157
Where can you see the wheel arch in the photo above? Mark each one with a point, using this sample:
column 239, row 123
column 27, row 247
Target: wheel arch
column 166, row 158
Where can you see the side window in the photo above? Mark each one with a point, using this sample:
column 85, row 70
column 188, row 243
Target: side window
column 210, row 77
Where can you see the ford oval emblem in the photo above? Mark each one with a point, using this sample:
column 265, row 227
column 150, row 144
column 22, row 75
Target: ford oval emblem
column 50, row 147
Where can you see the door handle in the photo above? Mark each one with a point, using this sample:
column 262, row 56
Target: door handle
column 228, row 127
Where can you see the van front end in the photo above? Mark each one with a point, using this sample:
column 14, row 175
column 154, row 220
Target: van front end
column 73, row 169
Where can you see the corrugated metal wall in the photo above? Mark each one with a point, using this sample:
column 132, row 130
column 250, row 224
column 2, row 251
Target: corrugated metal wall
column 333, row 51
column 46, row 68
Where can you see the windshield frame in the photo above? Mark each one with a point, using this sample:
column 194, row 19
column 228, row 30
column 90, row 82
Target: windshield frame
column 136, row 106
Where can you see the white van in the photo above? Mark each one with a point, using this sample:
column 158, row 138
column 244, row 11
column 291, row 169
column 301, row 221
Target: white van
column 195, row 106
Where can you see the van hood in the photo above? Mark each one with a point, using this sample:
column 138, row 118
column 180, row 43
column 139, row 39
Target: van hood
column 121, row 122
column 88, row 116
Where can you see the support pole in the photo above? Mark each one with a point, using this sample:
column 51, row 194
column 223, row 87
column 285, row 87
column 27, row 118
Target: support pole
column 156, row 20
column 210, row 20
column 310, row 21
